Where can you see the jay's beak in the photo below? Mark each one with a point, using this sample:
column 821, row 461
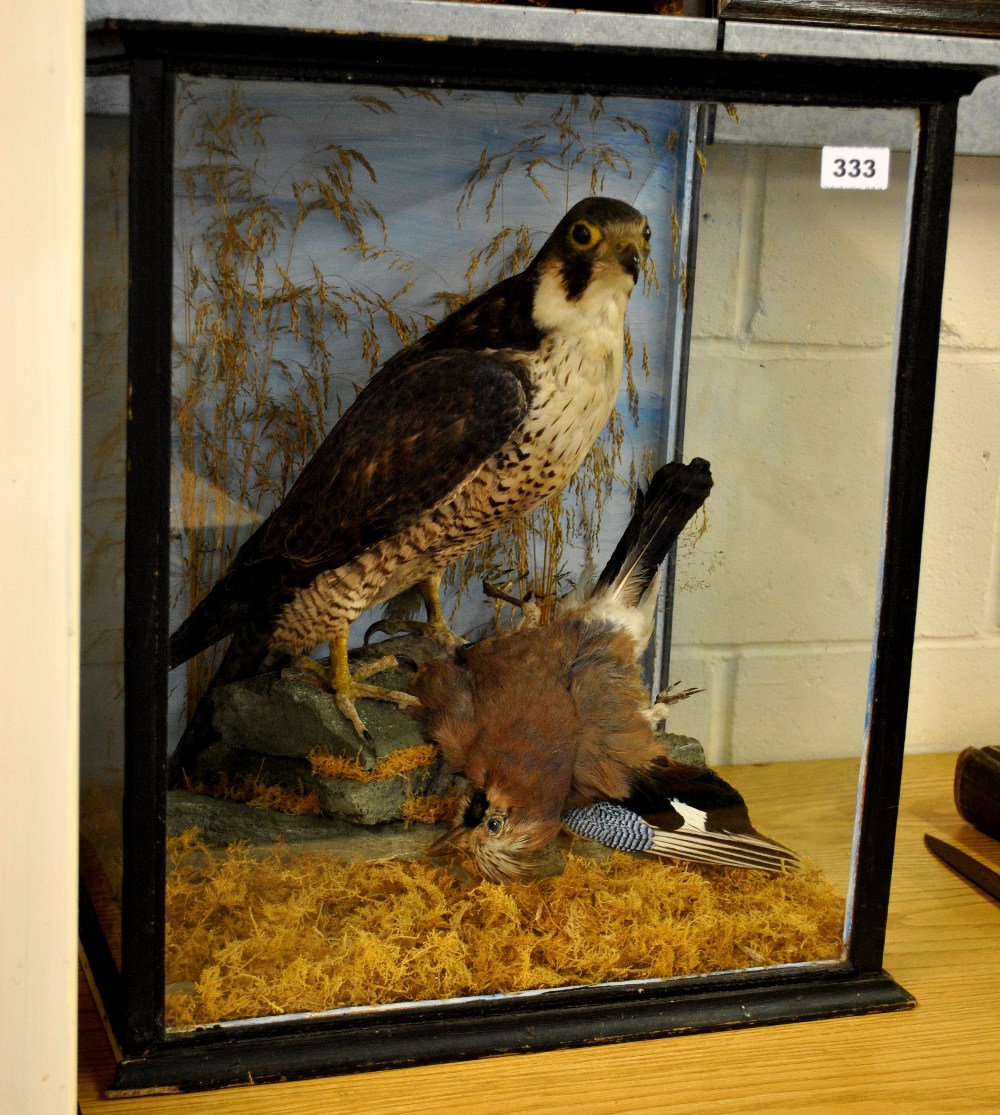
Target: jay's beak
column 445, row 842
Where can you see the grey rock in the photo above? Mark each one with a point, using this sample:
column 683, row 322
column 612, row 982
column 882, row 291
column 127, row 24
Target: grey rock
column 682, row 749
column 221, row 823
column 225, row 822
column 374, row 803
column 268, row 725
column 363, row 803
column 237, row 762
column 283, row 716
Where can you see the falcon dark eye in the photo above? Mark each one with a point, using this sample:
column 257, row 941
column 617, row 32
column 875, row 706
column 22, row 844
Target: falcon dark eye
column 493, row 826
column 647, row 234
column 582, row 234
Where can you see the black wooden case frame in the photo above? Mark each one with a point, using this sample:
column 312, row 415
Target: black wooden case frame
column 947, row 17
column 150, row 1059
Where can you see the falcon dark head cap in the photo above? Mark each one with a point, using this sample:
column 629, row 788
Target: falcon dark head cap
column 598, row 233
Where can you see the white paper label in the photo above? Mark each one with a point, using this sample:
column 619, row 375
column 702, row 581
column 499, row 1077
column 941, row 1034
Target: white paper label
column 855, row 168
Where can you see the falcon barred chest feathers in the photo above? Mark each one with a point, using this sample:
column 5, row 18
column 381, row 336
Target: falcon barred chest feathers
column 488, row 414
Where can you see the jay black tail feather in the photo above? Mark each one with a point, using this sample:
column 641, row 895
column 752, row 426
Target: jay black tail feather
column 673, row 497
column 673, row 809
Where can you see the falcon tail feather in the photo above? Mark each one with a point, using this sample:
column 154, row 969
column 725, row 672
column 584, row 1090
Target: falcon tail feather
column 200, row 630
column 673, row 497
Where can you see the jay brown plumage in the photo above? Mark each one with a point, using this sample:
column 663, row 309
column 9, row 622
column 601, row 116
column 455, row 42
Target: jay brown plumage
column 552, row 725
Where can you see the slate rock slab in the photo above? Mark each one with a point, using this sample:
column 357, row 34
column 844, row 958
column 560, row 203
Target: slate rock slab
column 268, row 725
column 225, row 822
column 682, row 749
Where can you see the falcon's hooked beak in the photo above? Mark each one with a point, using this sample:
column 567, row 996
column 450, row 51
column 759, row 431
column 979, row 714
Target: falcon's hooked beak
column 630, row 255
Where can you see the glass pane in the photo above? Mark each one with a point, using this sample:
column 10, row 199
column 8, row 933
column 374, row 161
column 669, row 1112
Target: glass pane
column 319, row 230
column 789, row 395
column 104, row 402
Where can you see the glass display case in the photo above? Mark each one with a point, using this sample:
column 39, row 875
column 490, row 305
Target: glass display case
column 275, row 226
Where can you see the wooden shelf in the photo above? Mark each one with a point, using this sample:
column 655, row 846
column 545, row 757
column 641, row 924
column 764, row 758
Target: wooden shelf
column 943, row 947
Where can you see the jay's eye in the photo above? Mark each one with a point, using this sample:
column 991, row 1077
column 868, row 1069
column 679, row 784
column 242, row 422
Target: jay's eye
column 493, row 826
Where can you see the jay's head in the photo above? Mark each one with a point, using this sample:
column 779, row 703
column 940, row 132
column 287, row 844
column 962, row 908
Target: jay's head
column 503, row 840
column 516, row 757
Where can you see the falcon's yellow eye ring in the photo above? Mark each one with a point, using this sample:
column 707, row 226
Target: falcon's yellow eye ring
column 585, row 235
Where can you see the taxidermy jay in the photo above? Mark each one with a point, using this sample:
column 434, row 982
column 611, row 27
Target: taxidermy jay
column 552, row 726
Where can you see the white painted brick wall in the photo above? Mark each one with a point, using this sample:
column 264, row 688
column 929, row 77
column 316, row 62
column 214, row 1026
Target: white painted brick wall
column 790, row 376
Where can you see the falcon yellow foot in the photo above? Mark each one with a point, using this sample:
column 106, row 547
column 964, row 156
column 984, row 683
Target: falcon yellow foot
column 347, row 688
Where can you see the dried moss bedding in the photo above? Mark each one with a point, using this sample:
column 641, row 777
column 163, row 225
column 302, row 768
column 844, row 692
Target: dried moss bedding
column 250, row 936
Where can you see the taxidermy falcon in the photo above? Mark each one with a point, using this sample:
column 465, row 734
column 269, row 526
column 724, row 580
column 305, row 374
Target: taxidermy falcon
column 488, row 414
column 552, row 725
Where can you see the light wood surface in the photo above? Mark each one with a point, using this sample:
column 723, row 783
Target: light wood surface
column 943, row 946
column 41, row 335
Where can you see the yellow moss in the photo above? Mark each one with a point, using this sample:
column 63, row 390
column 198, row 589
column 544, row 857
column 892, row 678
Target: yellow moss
column 327, row 765
column 406, row 760
column 259, row 935
column 428, row 810
column 261, row 795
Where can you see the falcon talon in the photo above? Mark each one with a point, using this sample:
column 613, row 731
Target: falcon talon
column 346, row 704
column 486, row 416
column 306, row 669
column 361, row 691
column 441, row 634
column 379, row 626
column 370, row 669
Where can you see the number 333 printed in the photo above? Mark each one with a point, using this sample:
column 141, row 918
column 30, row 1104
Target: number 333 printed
column 855, row 168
